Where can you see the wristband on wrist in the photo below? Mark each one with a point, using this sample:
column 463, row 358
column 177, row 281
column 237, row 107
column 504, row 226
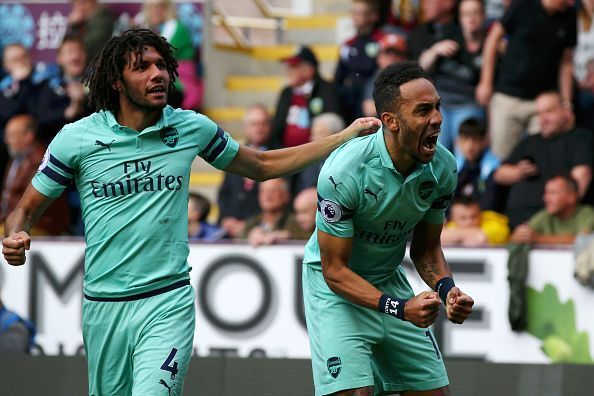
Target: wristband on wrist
column 443, row 287
column 392, row 306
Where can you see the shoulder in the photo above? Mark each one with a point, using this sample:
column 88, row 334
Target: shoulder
column 585, row 210
column 177, row 117
column 444, row 159
column 352, row 155
column 93, row 121
column 538, row 218
column 490, row 160
column 445, row 168
column 346, row 167
column 350, row 42
column 580, row 133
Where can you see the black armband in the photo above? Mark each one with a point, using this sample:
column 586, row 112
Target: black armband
column 443, row 287
column 392, row 306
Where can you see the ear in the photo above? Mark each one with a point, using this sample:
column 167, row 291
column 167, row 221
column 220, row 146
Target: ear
column 116, row 86
column 390, row 120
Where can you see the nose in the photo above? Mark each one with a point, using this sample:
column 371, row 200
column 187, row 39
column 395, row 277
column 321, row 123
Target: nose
column 436, row 117
column 156, row 73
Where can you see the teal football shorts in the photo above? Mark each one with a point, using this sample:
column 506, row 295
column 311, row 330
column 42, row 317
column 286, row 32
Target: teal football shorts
column 354, row 347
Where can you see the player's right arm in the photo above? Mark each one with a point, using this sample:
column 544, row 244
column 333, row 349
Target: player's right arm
column 264, row 165
column 55, row 173
column 335, row 253
column 339, row 194
column 18, row 225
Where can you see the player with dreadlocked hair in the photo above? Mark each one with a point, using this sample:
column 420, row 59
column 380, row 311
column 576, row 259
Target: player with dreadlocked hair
column 131, row 163
column 105, row 69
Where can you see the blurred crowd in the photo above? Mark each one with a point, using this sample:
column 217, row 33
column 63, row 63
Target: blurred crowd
column 515, row 77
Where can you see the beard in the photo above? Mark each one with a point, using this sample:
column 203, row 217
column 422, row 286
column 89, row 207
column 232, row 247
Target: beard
column 140, row 101
column 411, row 142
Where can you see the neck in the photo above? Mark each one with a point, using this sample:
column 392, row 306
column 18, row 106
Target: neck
column 443, row 19
column 365, row 31
column 567, row 212
column 135, row 118
column 194, row 228
column 403, row 162
column 271, row 217
column 547, row 7
column 473, row 39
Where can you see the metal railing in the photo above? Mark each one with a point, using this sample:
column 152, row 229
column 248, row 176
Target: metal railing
column 239, row 28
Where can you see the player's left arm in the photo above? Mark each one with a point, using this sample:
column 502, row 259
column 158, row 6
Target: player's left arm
column 264, row 165
column 428, row 258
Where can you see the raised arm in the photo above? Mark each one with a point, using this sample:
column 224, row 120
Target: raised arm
column 566, row 77
column 583, row 176
column 264, row 165
column 18, row 225
column 484, row 90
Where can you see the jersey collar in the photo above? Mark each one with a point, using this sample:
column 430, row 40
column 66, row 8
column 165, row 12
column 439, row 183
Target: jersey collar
column 161, row 123
column 388, row 163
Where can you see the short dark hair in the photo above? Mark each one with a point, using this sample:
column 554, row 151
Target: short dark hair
column 465, row 200
column 472, row 128
column 71, row 38
column 568, row 179
column 386, row 88
column 106, row 68
column 202, row 203
column 372, row 4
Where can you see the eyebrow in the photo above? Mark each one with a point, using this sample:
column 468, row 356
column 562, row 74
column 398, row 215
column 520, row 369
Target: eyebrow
column 424, row 105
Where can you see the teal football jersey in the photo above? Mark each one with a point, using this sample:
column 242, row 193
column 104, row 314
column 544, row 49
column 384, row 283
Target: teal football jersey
column 362, row 196
column 134, row 194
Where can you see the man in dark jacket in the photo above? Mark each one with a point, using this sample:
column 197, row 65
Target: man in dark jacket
column 306, row 96
column 62, row 97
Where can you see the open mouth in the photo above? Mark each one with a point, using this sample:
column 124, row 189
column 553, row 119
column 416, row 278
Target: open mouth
column 430, row 142
column 158, row 90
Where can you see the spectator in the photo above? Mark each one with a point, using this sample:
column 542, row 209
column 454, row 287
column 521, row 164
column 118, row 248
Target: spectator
column 18, row 89
column 161, row 17
column 238, row 196
column 561, row 220
column 198, row 226
column 92, row 22
column 398, row 16
column 438, row 16
column 305, row 206
column 357, row 58
column 468, row 226
column 476, row 163
column 26, row 154
column 326, row 124
column 275, row 221
column 16, row 333
column 558, row 148
column 583, row 64
column 306, row 96
column 321, row 126
column 62, row 97
column 538, row 58
column 455, row 63
column 392, row 50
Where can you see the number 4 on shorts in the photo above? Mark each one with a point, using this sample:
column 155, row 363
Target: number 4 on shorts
column 166, row 364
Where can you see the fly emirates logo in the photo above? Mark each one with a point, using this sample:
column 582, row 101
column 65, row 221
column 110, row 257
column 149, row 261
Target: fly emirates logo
column 137, row 179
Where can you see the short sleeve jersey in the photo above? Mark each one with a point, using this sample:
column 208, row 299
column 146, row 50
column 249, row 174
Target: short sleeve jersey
column 362, row 196
column 582, row 220
column 134, row 194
